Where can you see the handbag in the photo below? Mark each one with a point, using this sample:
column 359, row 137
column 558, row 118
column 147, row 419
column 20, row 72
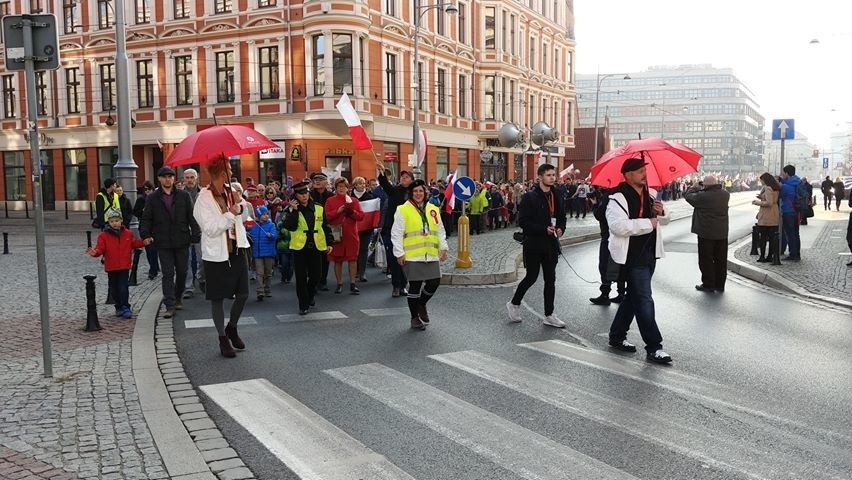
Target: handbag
column 381, row 255
column 336, row 232
column 809, row 211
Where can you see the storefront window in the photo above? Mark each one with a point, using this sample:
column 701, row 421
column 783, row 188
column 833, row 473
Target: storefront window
column 461, row 168
column 442, row 160
column 107, row 158
column 13, row 172
column 392, row 158
column 76, row 174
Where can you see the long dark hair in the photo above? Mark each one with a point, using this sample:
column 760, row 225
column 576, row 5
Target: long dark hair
column 769, row 180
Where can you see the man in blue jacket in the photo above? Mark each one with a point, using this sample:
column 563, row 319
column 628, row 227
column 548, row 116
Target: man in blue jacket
column 789, row 214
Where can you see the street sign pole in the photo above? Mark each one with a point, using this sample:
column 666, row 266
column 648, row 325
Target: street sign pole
column 32, row 127
column 463, row 257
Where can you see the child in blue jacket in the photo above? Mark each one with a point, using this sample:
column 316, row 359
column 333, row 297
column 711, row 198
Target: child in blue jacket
column 263, row 236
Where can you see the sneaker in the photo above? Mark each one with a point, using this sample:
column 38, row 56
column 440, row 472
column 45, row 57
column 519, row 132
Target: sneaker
column 659, row 356
column 118, row 312
column 395, row 293
column 704, row 288
column 169, row 313
column 552, row 321
column 178, row 305
column 259, row 297
column 188, row 294
column 623, row 346
column 417, row 324
column 603, row 299
column 514, row 312
column 127, row 312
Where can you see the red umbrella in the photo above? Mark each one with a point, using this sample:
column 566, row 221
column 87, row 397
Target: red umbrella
column 227, row 140
column 665, row 161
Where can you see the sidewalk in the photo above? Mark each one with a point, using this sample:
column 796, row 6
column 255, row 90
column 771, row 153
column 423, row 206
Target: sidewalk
column 120, row 405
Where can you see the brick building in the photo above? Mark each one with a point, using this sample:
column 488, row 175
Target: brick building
column 279, row 66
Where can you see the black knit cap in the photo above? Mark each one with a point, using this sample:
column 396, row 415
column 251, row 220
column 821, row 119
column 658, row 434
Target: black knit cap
column 417, row 183
column 632, row 164
column 301, row 187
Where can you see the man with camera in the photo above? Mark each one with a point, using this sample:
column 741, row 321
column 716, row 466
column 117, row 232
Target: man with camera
column 710, row 223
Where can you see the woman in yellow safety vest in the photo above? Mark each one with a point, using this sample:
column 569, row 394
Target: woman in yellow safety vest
column 419, row 245
column 309, row 227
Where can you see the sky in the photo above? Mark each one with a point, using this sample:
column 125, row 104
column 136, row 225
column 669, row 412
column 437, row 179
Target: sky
column 767, row 44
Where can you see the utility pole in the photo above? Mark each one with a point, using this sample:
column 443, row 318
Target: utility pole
column 125, row 168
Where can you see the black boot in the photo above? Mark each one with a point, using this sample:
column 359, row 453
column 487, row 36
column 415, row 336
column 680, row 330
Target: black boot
column 225, row 348
column 236, row 341
column 603, row 299
column 416, row 324
column 422, row 313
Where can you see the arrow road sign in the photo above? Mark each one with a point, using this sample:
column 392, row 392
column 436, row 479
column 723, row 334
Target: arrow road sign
column 464, row 188
column 783, row 129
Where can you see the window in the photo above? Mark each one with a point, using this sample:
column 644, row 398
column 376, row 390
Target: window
column 108, row 86
column 107, row 158
column 462, row 14
column 341, row 45
column 225, row 77
column 442, row 161
column 556, row 54
column 69, row 13
column 503, row 25
column 461, row 163
column 9, row 96
column 145, row 83
column 183, row 79
column 503, row 97
column 390, row 7
column 532, row 118
column 439, row 22
column 390, row 78
column 268, row 72
column 419, row 86
column 4, row 7
column 41, row 93
column 181, row 9
column 489, row 28
column 489, row 97
column 462, row 109
column 556, row 112
column 143, row 11
column 512, row 27
column 511, row 100
column 363, row 67
column 72, row 88
column 265, row 3
column 15, row 175
column 391, row 153
column 441, row 91
column 223, row 6
column 544, row 49
column 532, row 54
column 105, row 15
column 76, row 174
column 319, row 65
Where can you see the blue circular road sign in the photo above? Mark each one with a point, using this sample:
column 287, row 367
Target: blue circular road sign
column 464, row 188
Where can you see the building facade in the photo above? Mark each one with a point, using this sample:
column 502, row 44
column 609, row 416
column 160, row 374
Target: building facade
column 280, row 66
column 708, row 109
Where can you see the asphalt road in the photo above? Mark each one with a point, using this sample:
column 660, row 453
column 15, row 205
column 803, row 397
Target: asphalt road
column 758, row 387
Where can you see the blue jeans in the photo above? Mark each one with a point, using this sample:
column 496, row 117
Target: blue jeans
column 790, row 225
column 285, row 263
column 118, row 285
column 637, row 303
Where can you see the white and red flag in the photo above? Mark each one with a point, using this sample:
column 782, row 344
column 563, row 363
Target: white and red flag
column 356, row 131
column 449, row 193
column 567, row 171
column 372, row 214
column 421, row 147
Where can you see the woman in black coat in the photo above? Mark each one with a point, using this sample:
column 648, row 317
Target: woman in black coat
column 839, row 193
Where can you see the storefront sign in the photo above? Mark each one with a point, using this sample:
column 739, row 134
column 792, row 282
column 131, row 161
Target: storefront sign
column 274, row 153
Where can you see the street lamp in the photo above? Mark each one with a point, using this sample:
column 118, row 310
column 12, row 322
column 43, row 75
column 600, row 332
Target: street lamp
column 600, row 79
column 125, row 168
column 418, row 16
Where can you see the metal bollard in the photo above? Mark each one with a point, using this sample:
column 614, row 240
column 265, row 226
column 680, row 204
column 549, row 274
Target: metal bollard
column 92, row 324
column 66, row 210
column 88, row 238
column 91, row 212
column 27, row 208
column 755, row 235
column 6, row 206
column 5, row 243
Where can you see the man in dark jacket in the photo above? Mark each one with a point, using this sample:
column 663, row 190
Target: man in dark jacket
column 827, row 187
column 397, row 195
column 168, row 219
column 105, row 200
column 710, row 223
column 150, row 250
column 542, row 217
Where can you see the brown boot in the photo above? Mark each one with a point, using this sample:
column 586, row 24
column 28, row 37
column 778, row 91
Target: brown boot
column 225, row 348
column 423, row 314
column 416, row 324
column 236, row 341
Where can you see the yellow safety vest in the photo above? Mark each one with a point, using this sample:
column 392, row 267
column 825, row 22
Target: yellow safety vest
column 417, row 241
column 299, row 238
column 115, row 204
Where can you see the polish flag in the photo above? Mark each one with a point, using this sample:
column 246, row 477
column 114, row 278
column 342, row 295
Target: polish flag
column 356, row 131
column 372, row 215
column 160, row 144
column 421, row 150
column 449, row 193
column 567, row 171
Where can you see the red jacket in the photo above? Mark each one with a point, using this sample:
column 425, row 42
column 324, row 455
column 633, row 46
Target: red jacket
column 117, row 249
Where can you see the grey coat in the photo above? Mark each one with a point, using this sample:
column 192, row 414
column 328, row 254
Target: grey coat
column 710, row 218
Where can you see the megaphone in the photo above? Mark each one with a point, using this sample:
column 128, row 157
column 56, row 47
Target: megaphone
column 543, row 133
column 510, row 135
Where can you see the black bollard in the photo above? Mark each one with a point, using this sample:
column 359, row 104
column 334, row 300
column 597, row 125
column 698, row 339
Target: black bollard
column 133, row 281
column 66, row 210
column 92, row 324
column 27, row 208
column 91, row 212
column 755, row 235
column 5, row 243
column 88, row 238
column 6, row 206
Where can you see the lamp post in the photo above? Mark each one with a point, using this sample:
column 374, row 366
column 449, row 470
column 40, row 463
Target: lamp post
column 125, row 168
column 600, row 80
column 419, row 10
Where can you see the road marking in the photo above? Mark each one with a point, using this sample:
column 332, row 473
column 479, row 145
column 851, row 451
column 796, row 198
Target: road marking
column 696, row 388
column 295, row 317
column 386, row 312
column 308, row 444
column 716, row 448
column 524, row 452
column 208, row 322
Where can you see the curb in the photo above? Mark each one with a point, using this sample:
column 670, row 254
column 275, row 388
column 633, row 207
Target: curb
column 772, row 280
column 190, row 444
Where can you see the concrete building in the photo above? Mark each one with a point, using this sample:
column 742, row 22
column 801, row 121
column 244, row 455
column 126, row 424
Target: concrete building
column 708, row 109
column 280, row 66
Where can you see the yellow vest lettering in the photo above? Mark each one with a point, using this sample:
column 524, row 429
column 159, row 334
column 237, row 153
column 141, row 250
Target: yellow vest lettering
column 299, row 238
column 414, row 242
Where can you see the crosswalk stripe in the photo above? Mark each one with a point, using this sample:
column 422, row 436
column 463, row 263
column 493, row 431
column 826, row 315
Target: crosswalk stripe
column 295, row 317
column 386, row 312
column 714, row 448
column 208, row 322
column 704, row 391
column 515, row 448
column 308, row 444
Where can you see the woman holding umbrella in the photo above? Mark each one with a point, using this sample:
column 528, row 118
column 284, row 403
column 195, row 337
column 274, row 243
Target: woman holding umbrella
column 419, row 245
column 220, row 212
